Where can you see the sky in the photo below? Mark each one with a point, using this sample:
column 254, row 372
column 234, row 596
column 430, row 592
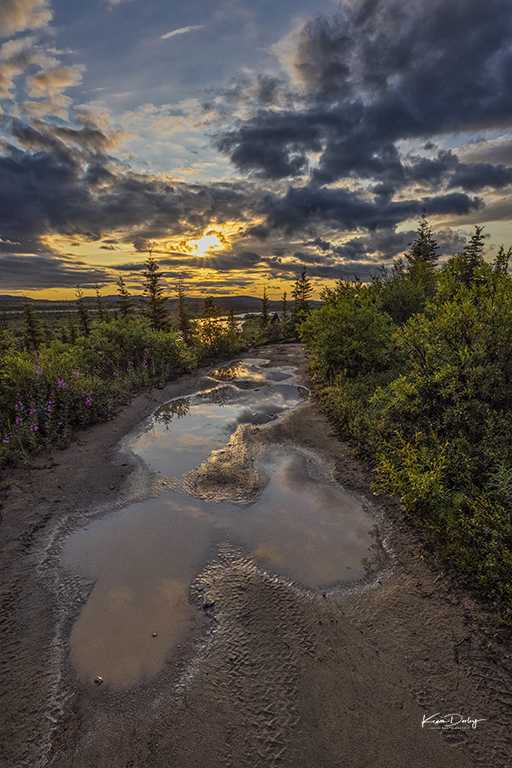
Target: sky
column 240, row 140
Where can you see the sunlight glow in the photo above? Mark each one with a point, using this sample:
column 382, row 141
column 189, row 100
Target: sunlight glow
column 207, row 244
column 211, row 242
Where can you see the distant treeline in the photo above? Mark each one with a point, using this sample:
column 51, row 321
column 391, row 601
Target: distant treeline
column 416, row 367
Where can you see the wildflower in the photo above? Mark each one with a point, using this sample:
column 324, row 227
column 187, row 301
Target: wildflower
column 60, row 423
column 19, row 420
column 49, row 406
column 62, row 384
column 115, row 373
column 34, row 427
column 129, row 367
column 144, row 363
column 38, row 370
column 76, row 374
column 32, row 411
column 88, row 398
column 5, row 441
column 18, row 406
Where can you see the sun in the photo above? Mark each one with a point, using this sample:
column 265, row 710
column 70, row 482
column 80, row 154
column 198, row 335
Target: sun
column 209, row 243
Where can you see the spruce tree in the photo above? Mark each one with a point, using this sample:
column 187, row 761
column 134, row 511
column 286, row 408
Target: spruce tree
column 102, row 314
column 232, row 325
column 83, row 314
column 472, row 255
column 464, row 266
column 424, row 249
column 125, row 302
column 421, row 261
column 284, row 307
column 301, row 295
column 71, row 328
column 33, row 331
column 184, row 324
column 264, row 316
column 285, row 317
column 154, row 306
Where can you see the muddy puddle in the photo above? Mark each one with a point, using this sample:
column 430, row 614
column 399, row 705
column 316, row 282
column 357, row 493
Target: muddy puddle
column 141, row 560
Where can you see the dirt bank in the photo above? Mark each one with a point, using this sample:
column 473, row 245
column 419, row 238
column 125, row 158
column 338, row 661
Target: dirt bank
column 272, row 675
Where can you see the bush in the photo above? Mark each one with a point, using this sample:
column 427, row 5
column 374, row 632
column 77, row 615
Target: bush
column 44, row 395
column 349, row 336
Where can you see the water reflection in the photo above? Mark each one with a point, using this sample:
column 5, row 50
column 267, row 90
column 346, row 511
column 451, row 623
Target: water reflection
column 143, row 559
column 218, row 396
column 165, row 414
column 251, row 373
column 205, row 422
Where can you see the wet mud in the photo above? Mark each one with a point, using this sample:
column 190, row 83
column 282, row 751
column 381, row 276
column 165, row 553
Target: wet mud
column 271, row 663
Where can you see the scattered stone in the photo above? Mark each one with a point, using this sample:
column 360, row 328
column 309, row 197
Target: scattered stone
column 154, row 634
column 98, row 680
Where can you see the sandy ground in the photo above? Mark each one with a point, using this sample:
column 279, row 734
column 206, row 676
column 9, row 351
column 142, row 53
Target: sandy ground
column 273, row 675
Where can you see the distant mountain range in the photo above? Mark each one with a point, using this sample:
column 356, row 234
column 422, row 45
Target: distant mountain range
column 194, row 303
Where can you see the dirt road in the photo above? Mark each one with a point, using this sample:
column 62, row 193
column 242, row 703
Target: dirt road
column 271, row 675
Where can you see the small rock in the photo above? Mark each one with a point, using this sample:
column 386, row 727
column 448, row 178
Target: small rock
column 154, row 634
column 98, row 680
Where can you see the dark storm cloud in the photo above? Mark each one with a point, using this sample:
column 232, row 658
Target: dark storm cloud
column 446, row 167
column 302, row 207
column 478, row 176
column 379, row 72
column 382, row 246
column 62, row 182
column 40, row 271
column 259, row 231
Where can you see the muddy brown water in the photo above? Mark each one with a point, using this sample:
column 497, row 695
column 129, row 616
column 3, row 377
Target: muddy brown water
column 142, row 559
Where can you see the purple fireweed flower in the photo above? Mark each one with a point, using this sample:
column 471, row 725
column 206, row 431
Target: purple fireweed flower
column 144, row 363
column 88, row 398
column 34, row 427
column 61, row 384
column 5, row 441
column 18, row 420
column 49, row 406
column 115, row 373
column 76, row 374
column 32, row 410
column 129, row 367
column 60, row 423
column 18, row 406
column 38, row 370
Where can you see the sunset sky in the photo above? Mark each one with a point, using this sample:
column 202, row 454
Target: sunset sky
column 242, row 139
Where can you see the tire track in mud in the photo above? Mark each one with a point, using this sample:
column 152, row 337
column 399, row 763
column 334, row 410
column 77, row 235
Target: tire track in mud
column 259, row 634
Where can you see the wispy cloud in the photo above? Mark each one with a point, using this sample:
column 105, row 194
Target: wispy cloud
column 182, row 31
